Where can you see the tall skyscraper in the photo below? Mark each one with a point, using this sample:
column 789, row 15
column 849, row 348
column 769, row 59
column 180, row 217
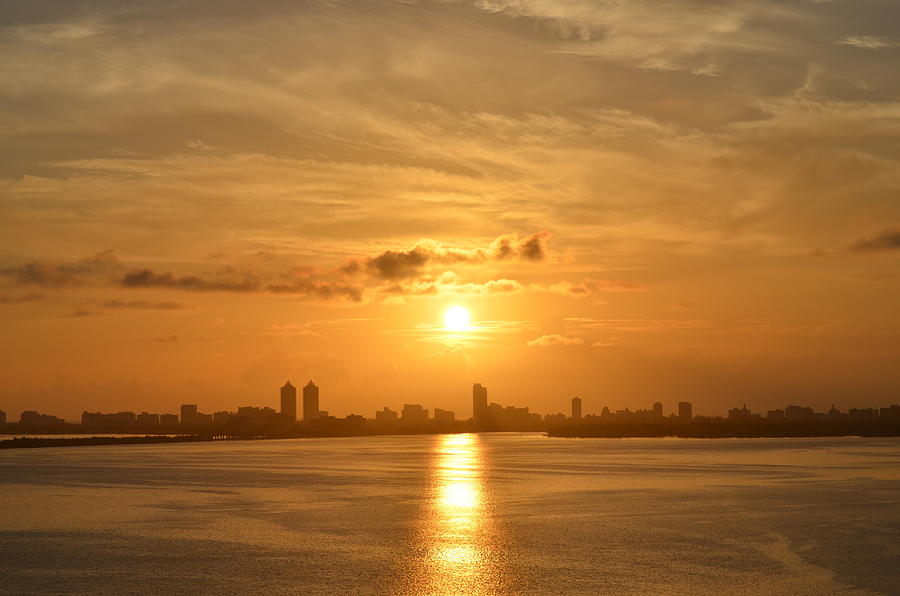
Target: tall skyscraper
column 479, row 402
column 657, row 409
column 685, row 411
column 576, row 408
column 289, row 401
column 310, row 401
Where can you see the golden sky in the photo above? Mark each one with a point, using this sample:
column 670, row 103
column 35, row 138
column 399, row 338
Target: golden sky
column 636, row 200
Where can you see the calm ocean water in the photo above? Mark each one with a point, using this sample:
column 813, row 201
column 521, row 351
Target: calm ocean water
column 455, row 514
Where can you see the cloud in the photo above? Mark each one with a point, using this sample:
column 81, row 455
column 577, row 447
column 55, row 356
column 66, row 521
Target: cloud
column 141, row 305
column 405, row 264
column 529, row 248
column 689, row 35
column 323, row 290
column 61, row 274
column 402, row 264
column 868, row 42
column 147, row 278
column 494, row 286
column 168, row 339
column 290, row 330
column 636, row 325
column 555, row 340
column 13, row 299
column 448, row 284
column 398, row 264
column 592, row 286
column 299, row 281
column 885, row 240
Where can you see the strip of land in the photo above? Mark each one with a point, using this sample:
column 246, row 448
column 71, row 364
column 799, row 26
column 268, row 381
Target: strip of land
column 723, row 429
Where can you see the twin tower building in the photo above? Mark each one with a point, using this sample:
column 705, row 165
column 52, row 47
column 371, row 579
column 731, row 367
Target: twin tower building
column 310, row 402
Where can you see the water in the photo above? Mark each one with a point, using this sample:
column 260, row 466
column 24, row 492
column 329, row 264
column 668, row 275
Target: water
column 455, row 514
column 11, row 436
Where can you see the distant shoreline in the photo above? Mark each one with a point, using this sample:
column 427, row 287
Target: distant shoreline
column 727, row 430
column 33, row 442
column 38, row 442
column 570, row 431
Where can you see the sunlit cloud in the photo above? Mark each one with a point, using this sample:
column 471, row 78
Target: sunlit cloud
column 555, row 340
column 403, row 264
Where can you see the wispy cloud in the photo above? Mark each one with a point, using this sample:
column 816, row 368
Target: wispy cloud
column 883, row 241
column 224, row 282
column 141, row 305
column 868, row 42
column 167, row 339
column 554, row 340
column 20, row 298
column 62, row 274
column 690, row 35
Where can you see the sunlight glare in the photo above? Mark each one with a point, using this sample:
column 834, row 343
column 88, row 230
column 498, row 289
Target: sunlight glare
column 456, row 319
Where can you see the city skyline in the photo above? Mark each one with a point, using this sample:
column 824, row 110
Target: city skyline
column 482, row 412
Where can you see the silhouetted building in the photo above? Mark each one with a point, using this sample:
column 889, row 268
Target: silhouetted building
column 890, row 413
column 511, row 418
column 443, row 416
column 32, row 418
column 2, row 417
column 168, row 419
column 355, row 421
column 255, row 416
column 741, row 413
column 555, row 419
column 413, row 414
column 222, row 417
column 576, row 408
column 147, row 419
column 626, row 416
column 775, row 415
column 289, row 401
column 386, row 415
column 863, row 414
column 685, row 411
column 91, row 418
column 117, row 420
column 479, row 402
column 188, row 413
column 310, row 401
column 798, row 414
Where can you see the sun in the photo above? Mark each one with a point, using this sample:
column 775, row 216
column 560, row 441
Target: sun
column 456, row 319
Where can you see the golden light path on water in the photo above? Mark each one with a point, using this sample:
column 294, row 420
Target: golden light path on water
column 461, row 559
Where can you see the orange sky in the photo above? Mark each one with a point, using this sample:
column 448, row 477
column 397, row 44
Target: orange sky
column 636, row 200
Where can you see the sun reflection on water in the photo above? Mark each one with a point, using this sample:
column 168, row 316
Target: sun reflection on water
column 460, row 558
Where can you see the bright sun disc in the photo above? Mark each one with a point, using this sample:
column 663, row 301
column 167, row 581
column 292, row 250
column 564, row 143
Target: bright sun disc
column 456, row 319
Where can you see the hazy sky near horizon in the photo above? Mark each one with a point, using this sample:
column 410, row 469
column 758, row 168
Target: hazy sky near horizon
column 637, row 200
